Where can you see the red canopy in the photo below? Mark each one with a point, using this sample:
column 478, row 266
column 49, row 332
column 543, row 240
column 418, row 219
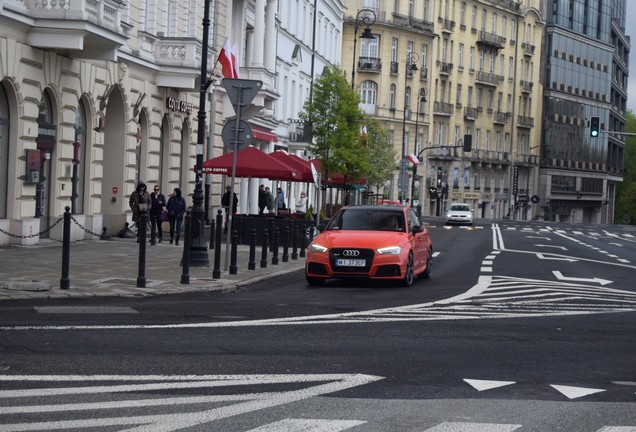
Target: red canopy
column 252, row 162
column 296, row 162
column 336, row 179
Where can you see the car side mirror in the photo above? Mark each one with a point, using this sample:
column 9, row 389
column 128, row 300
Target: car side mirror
column 417, row 229
column 321, row 227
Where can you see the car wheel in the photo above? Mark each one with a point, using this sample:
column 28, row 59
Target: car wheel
column 314, row 282
column 409, row 273
column 426, row 274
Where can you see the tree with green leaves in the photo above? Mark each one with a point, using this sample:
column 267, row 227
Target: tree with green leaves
column 382, row 154
column 626, row 191
column 335, row 120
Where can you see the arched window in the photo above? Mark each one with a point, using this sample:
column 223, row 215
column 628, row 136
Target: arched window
column 163, row 178
column 368, row 92
column 407, row 98
column 4, row 151
column 78, row 178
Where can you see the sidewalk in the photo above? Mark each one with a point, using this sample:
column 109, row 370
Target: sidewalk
column 100, row 268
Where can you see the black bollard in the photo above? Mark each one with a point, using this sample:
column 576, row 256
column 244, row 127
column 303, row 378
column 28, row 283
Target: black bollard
column 302, row 240
column 212, row 229
column 265, row 246
column 216, row 273
column 286, row 244
column 234, row 242
column 185, row 260
column 153, row 230
column 272, row 230
column 141, row 274
column 275, row 246
column 105, row 235
column 294, row 241
column 251, row 264
column 65, row 282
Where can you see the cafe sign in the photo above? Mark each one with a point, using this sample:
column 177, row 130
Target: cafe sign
column 179, row 106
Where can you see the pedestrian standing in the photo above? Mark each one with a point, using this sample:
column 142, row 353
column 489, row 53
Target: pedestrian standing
column 269, row 199
column 157, row 210
column 262, row 200
column 280, row 200
column 139, row 204
column 176, row 208
column 301, row 205
column 225, row 202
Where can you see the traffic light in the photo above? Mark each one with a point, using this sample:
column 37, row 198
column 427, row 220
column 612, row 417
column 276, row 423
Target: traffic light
column 595, row 126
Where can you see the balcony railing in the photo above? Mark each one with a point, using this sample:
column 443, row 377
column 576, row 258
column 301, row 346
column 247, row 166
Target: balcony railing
column 447, row 25
column 523, row 121
column 470, row 113
column 412, row 22
column 501, row 117
column 178, row 52
column 395, row 67
column 491, row 39
column 445, row 68
column 528, row 49
column 442, row 108
column 105, row 13
column 369, row 64
column 488, row 78
column 526, row 86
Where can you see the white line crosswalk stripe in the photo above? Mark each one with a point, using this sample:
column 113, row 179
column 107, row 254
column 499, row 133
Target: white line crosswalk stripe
column 308, row 425
column 473, row 427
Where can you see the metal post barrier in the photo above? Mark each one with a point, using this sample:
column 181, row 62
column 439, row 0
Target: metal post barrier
column 65, row 282
column 141, row 274
column 233, row 251
column 187, row 233
column 265, row 247
column 294, row 234
column 303, row 242
column 272, row 231
column 153, row 229
column 286, row 244
column 216, row 273
column 251, row 264
column 275, row 246
column 212, row 229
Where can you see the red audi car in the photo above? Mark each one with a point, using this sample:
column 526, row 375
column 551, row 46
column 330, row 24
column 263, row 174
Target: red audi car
column 377, row 242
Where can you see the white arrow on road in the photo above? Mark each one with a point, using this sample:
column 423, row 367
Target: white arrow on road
column 575, row 279
column 539, row 237
column 552, row 246
column 481, row 385
column 558, row 258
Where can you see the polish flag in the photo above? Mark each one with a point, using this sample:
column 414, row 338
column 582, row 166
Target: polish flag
column 229, row 60
column 363, row 131
column 413, row 158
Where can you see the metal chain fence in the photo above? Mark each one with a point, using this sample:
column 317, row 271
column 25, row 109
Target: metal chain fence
column 32, row 235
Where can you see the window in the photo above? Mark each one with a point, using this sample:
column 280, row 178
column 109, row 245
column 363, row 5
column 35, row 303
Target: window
column 458, row 100
column 392, row 97
column 460, row 56
column 494, row 24
column 368, row 92
column 488, row 140
column 469, row 100
column 506, row 142
column 5, row 115
column 502, row 67
column 462, row 14
column 471, row 59
column 394, row 50
column 511, row 68
column 484, row 17
column 426, row 10
column 370, row 47
column 512, row 30
column 407, row 99
column 423, row 55
column 473, row 18
column 503, row 26
column 489, row 99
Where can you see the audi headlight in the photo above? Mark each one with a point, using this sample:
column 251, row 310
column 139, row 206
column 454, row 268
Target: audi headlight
column 391, row 250
column 317, row 248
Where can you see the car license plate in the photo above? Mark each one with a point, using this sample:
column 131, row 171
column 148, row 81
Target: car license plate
column 351, row 262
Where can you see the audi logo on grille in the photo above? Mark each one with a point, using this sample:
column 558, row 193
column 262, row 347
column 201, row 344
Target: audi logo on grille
column 351, row 253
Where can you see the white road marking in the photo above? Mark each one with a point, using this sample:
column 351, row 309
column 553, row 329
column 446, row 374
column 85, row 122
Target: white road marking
column 308, row 425
column 486, row 262
column 485, row 269
column 628, row 235
column 618, row 429
column 314, row 385
column 481, row 385
column 68, row 310
column 575, row 392
column 539, row 237
column 473, row 427
column 555, row 257
column 552, row 246
column 436, row 254
column 560, row 276
column 623, row 260
column 617, row 244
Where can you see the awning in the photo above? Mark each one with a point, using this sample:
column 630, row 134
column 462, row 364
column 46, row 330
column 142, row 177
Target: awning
column 263, row 134
column 295, row 162
column 252, row 163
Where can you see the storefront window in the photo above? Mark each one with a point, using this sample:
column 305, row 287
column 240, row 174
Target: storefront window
column 4, row 151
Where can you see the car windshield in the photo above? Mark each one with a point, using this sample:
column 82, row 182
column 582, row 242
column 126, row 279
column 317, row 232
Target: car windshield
column 367, row 220
column 460, row 208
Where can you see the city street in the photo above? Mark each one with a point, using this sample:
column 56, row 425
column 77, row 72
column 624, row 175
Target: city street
column 522, row 327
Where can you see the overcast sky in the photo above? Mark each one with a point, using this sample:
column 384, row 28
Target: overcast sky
column 630, row 30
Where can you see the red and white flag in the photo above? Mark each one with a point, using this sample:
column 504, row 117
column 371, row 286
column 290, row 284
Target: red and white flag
column 229, row 60
column 413, row 158
column 363, row 131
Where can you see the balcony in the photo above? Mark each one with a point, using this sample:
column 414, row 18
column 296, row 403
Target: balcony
column 487, row 78
column 445, row 68
column 501, row 117
column 490, row 39
column 442, row 108
column 414, row 23
column 395, row 67
column 526, row 86
column 446, row 153
column 369, row 64
column 178, row 52
column 528, row 49
column 470, row 113
column 448, row 26
column 90, row 29
column 525, row 122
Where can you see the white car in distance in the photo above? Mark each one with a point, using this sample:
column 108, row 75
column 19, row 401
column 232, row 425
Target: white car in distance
column 459, row 213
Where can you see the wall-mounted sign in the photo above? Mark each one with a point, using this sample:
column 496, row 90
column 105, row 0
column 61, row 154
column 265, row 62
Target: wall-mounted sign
column 180, row 106
column 33, row 165
column 46, row 136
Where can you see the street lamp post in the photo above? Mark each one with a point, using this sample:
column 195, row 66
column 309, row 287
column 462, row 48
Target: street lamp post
column 366, row 17
column 198, row 245
column 421, row 98
column 411, row 59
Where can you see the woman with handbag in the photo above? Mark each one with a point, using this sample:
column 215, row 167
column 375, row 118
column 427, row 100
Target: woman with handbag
column 157, row 213
column 139, row 203
column 176, row 208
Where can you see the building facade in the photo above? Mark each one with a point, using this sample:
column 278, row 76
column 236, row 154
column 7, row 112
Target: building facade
column 459, row 70
column 585, row 74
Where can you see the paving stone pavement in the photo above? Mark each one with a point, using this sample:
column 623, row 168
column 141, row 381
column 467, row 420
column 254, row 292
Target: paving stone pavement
column 100, row 268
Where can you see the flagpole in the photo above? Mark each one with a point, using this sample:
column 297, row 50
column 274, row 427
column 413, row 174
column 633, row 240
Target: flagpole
column 198, row 245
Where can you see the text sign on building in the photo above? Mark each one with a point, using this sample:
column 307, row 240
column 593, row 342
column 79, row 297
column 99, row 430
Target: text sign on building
column 178, row 105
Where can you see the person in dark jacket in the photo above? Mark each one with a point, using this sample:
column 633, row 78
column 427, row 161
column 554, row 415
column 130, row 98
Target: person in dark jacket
column 176, row 208
column 139, row 203
column 225, row 202
column 157, row 209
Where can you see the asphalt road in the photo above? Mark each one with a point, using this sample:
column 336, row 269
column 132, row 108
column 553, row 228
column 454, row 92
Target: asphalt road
column 528, row 327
